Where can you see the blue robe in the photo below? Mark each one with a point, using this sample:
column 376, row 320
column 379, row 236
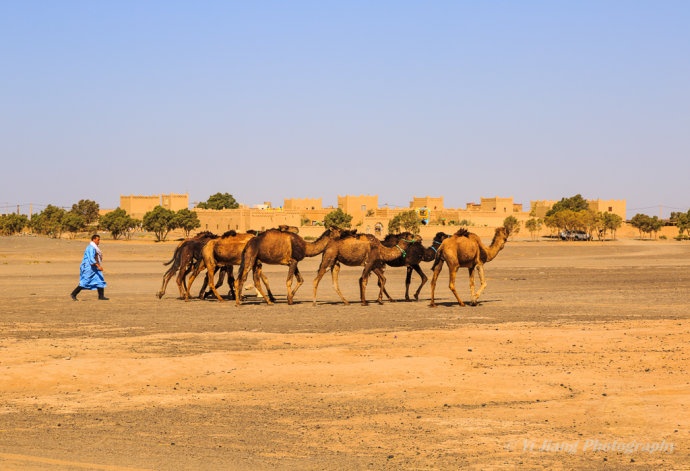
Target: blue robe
column 89, row 276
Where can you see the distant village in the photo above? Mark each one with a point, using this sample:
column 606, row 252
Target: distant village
column 308, row 213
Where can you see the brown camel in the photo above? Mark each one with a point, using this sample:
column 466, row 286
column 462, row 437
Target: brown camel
column 415, row 254
column 359, row 250
column 465, row 249
column 186, row 254
column 224, row 252
column 276, row 247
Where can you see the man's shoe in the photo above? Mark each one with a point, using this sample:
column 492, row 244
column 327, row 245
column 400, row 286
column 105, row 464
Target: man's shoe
column 103, row 299
column 74, row 297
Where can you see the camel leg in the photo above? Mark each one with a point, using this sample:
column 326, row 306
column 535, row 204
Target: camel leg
column 453, row 271
column 203, row 294
column 408, row 280
column 434, row 278
column 482, row 283
column 323, row 267
column 334, row 275
column 166, row 278
column 382, row 286
column 363, row 280
column 362, row 290
column 221, row 276
column 300, row 279
column 292, row 267
column 473, row 295
column 257, row 274
column 210, row 273
column 231, row 282
column 264, row 279
column 418, row 269
column 192, row 277
column 202, row 290
column 249, row 261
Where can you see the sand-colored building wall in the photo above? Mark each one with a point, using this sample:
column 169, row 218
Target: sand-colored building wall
column 496, row 205
column 305, row 204
column 432, row 203
column 138, row 205
column 539, row 208
column 219, row 221
column 358, row 206
column 609, row 206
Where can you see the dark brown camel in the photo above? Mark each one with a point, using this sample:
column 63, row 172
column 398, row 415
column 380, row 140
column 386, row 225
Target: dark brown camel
column 276, row 247
column 186, row 254
column 465, row 249
column 359, row 250
column 414, row 255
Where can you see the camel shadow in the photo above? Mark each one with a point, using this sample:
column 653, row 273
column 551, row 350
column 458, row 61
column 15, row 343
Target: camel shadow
column 467, row 303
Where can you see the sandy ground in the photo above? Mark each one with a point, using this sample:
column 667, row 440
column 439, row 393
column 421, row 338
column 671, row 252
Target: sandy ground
column 576, row 358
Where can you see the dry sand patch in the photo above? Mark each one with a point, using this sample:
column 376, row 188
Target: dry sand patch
column 577, row 358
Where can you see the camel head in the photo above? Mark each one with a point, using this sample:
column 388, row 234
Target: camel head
column 430, row 252
column 499, row 240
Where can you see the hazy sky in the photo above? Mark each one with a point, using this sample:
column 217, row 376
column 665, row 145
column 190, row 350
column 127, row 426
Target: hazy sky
column 269, row 100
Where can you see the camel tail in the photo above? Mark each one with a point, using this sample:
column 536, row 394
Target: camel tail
column 175, row 257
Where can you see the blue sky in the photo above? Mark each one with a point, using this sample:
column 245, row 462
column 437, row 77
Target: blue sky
column 269, row 100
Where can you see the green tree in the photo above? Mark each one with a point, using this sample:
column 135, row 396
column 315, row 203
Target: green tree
column 337, row 218
column 640, row 222
column 574, row 203
column 73, row 222
column 646, row 224
column 87, row 209
column 219, row 201
column 160, row 221
column 405, row 221
column 533, row 225
column 563, row 220
column 13, row 223
column 512, row 225
column 118, row 222
column 49, row 221
column 611, row 223
column 682, row 222
column 187, row 220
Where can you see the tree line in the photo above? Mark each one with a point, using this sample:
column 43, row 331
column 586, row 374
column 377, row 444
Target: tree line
column 568, row 214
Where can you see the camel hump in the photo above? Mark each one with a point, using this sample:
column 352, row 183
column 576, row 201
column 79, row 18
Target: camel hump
column 205, row 234
column 230, row 233
column 462, row 232
column 345, row 233
column 286, row 228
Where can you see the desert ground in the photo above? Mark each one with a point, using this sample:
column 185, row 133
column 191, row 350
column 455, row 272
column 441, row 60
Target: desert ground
column 576, row 358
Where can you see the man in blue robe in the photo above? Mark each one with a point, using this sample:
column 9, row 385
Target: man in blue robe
column 91, row 270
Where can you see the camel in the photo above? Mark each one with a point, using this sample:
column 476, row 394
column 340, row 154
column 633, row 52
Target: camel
column 465, row 249
column 359, row 250
column 186, row 254
column 415, row 254
column 279, row 247
column 224, row 252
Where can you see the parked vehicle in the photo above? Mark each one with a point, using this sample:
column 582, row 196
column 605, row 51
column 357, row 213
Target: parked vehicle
column 575, row 235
